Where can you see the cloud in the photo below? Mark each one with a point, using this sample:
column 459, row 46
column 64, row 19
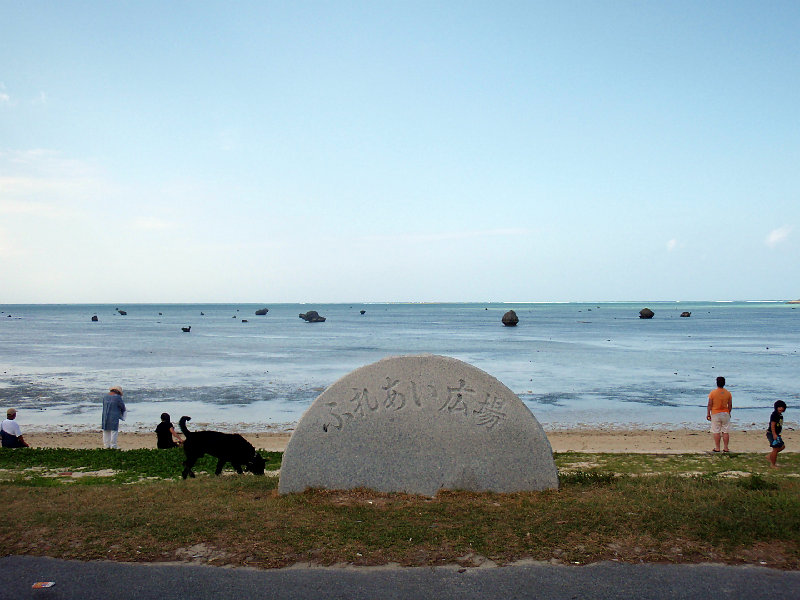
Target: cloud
column 26, row 172
column 7, row 247
column 42, row 184
column 151, row 224
column 40, row 195
column 5, row 99
column 777, row 236
column 451, row 235
column 43, row 163
column 22, row 207
column 672, row 244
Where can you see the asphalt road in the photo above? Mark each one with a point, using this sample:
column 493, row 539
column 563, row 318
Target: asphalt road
column 122, row 581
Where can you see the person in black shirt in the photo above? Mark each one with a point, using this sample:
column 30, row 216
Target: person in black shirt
column 166, row 435
column 774, row 432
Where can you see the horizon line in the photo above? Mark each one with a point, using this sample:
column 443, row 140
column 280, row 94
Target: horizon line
column 373, row 302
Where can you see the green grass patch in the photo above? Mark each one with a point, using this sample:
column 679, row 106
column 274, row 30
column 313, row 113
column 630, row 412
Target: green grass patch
column 586, row 478
column 758, row 482
column 40, row 466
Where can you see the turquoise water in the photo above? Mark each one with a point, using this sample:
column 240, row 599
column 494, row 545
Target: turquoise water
column 572, row 364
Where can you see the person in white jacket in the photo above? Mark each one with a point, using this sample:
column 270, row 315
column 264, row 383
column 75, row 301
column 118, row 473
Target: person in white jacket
column 10, row 432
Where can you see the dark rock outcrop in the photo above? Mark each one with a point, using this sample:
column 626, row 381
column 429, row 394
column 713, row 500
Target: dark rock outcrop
column 686, row 313
column 646, row 313
column 262, row 311
column 312, row 316
column 510, row 319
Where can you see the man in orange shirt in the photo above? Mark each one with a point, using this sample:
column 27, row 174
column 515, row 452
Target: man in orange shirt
column 720, row 404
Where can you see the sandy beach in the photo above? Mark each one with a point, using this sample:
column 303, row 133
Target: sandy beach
column 574, row 440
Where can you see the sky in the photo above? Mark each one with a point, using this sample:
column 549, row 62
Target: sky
column 406, row 151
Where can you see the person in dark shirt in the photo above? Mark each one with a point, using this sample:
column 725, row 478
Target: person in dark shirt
column 166, row 436
column 774, row 433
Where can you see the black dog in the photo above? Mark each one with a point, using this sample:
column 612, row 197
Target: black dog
column 227, row 447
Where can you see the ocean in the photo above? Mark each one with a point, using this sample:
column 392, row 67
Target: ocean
column 573, row 364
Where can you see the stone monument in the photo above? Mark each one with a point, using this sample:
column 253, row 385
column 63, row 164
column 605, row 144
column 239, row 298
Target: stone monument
column 418, row 424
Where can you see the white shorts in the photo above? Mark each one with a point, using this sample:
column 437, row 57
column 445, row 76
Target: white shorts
column 720, row 422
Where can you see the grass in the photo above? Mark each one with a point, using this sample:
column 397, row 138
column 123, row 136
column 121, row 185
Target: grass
column 732, row 464
column 53, row 466
column 686, row 509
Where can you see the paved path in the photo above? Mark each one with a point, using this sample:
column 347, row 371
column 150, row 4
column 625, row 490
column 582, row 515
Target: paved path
column 119, row 581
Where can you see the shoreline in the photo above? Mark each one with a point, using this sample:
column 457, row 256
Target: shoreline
column 584, row 439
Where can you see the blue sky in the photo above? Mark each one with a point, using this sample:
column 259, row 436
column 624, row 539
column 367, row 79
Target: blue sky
column 408, row 151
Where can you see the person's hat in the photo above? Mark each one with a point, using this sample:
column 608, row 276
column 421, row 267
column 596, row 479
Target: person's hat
column 116, row 388
column 11, row 412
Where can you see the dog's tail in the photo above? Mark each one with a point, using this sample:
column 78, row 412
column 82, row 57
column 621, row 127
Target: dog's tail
column 182, row 424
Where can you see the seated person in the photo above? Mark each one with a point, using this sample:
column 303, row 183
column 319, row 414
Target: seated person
column 166, row 435
column 10, row 432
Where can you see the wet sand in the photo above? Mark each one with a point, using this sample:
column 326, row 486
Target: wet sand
column 574, row 440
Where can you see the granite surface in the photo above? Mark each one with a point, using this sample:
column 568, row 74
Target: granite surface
column 418, row 424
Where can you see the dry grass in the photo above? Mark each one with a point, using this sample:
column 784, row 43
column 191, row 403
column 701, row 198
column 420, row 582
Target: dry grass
column 237, row 520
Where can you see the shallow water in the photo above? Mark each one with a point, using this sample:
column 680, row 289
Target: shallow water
column 572, row 364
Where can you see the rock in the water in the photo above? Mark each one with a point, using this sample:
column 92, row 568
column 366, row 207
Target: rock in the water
column 262, row 311
column 686, row 313
column 510, row 319
column 646, row 313
column 312, row 316
column 418, row 424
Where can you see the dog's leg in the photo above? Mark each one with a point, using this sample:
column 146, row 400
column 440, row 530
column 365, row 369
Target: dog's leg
column 220, row 463
column 238, row 468
column 187, row 467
